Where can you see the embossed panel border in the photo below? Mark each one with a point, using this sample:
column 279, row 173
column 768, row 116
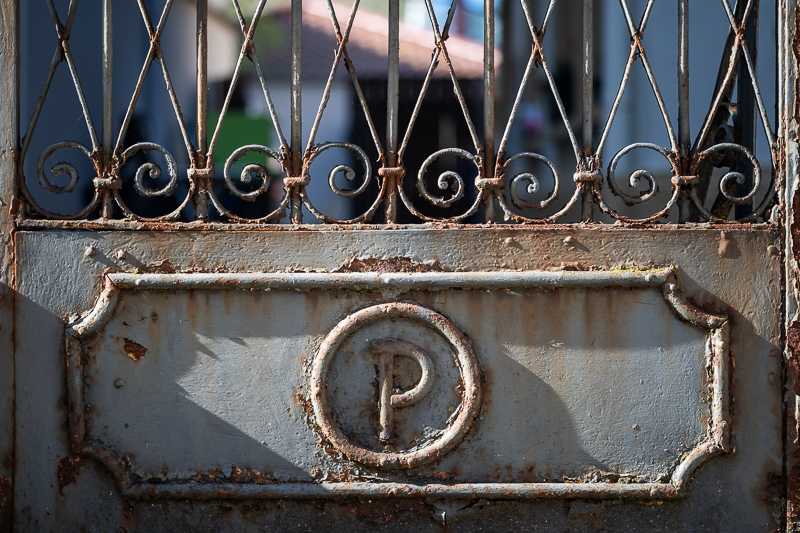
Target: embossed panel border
column 717, row 363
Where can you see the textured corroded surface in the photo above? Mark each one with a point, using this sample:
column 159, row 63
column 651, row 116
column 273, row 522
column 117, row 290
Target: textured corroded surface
column 206, row 332
column 8, row 153
column 789, row 51
column 663, row 412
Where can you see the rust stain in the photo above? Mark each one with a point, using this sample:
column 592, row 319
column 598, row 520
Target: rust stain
column 246, row 475
column 792, row 488
column 793, row 343
column 250, row 475
column 569, row 266
column 164, row 267
column 794, row 228
column 134, row 350
column 343, row 476
column 382, row 512
column 304, row 404
column 6, row 491
column 68, row 469
column 392, row 265
column 214, row 475
column 127, row 511
column 796, row 51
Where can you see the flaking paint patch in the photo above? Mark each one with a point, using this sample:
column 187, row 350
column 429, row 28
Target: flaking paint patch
column 796, row 52
column 382, row 512
column 5, row 491
column 134, row 350
column 391, row 265
column 68, row 469
column 238, row 475
column 793, row 343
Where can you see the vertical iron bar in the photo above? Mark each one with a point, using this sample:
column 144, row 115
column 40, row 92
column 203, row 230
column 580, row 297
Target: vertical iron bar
column 392, row 110
column 201, row 135
column 588, row 74
column 684, row 134
column 108, row 64
column 200, row 174
column 296, row 105
column 746, row 123
column 106, row 139
column 510, row 67
column 488, row 106
column 587, row 205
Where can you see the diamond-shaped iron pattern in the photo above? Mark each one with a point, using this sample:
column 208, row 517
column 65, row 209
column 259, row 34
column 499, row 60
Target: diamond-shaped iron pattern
column 691, row 161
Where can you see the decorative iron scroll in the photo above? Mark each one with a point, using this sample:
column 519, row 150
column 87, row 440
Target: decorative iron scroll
column 716, row 364
column 690, row 159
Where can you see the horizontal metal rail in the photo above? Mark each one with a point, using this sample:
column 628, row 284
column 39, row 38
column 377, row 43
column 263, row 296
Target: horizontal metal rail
column 429, row 281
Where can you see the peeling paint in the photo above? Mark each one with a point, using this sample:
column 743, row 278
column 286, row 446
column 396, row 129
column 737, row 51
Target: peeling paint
column 68, row 469
column 134, row 350
column 390, row 265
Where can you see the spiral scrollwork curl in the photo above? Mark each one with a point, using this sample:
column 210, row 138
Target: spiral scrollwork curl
column 727, row 181
column 250, row 171
column 60, row 168
column 447, row 180
column 346, row 170
column 152, row 170
column 533, row 183
column 635, row 179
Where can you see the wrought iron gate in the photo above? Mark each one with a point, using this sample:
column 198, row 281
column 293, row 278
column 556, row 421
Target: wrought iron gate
column 499, row 347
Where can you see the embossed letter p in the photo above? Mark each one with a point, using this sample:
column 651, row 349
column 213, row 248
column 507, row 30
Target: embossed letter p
column 386, row 350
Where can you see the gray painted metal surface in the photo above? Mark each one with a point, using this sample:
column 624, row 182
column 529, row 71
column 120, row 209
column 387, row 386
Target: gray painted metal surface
column 194, row 369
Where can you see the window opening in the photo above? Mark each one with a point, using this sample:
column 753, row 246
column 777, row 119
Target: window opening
column 493, row 111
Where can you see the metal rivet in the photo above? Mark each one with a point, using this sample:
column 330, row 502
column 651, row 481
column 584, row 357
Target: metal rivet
column 773, row 250
column 118, row 383
column 87, row 381
column 569, row 240
column 508, row 240
column 120, row 254
column 649, row 278
column 673, row 287
column 90, row 251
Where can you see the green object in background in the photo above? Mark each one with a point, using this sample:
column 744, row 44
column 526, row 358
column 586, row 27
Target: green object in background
column 238, row 129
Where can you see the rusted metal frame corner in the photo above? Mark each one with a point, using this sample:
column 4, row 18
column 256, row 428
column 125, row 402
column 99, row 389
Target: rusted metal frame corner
column 718, row 363
column 94, row 321
column 116, row 282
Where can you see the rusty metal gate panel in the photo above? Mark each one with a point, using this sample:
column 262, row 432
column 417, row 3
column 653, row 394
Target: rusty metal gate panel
column 209, row 381
column 603, row 356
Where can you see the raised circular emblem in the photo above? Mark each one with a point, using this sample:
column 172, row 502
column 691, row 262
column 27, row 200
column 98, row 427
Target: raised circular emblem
column 390, row 354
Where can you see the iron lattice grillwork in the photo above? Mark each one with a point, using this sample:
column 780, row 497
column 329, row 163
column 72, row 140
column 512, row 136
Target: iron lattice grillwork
column 690, row 159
